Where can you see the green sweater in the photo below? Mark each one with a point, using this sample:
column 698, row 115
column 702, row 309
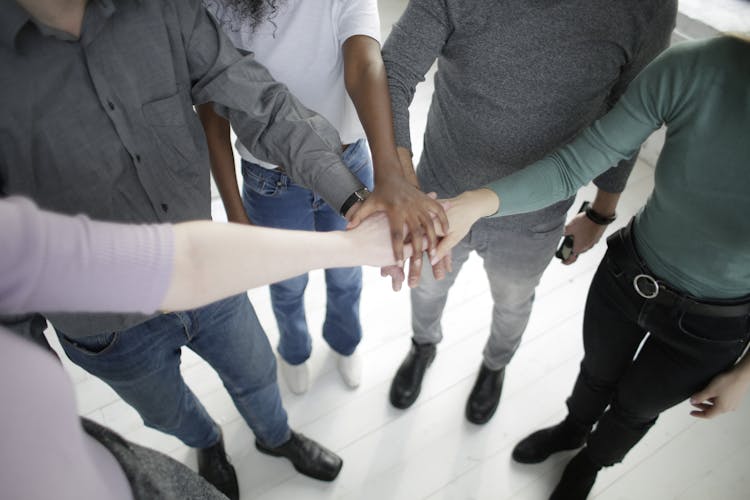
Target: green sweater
column 694, row 230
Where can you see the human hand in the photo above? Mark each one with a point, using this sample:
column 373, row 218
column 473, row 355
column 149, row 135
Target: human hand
column 463, row 211
column 586, row 234
column 371, row 239
column 723, row 394
column 410, row 209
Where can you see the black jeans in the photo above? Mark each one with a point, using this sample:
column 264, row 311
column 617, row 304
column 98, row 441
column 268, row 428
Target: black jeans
column 623, row 393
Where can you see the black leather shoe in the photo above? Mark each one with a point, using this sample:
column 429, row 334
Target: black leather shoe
column 407, row 383
column 215, row 468
column 538, row 446
column 577, row 479
column 307, row 456
column 485, row 396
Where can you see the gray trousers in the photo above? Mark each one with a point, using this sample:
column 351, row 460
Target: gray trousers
column 514, row 260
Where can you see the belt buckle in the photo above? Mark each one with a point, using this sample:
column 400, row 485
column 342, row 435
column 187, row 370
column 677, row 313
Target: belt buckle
column 651, row 281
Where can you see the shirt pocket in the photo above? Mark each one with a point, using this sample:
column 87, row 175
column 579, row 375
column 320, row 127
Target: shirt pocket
column 179, row 137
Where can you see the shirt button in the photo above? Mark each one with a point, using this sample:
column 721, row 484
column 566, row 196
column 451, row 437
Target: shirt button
column 165, row 207
column 138, row 158
column 111, row 106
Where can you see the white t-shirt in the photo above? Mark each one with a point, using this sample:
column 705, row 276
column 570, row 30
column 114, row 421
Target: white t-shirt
column 301, row 45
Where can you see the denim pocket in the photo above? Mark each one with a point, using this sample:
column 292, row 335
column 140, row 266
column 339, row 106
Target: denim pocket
column 94, row 345
column 263, row 181
column 717, row 331
column 357, row 159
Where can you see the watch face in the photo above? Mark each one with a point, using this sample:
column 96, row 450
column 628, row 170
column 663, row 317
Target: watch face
column 362, row 194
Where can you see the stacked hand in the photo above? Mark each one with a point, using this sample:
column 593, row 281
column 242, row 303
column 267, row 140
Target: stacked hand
column 446, row 223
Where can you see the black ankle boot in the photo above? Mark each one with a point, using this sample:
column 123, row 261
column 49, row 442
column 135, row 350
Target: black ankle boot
column 538, row 446
column 407, row 383
column 577, row 479
column 485, row 396
column 215, row 468
column 308, row 457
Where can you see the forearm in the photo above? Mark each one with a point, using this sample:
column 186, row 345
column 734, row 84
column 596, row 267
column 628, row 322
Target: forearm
column 222, row 162
column 414, row 43
column 605, row 203
column 367, row 85
column 212, row 261
column 407, row 165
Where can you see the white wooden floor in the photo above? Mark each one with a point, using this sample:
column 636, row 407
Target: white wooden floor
column 430, row 451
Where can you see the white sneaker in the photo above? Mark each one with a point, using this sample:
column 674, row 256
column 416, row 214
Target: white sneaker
column 297, row 377
column 350, row 368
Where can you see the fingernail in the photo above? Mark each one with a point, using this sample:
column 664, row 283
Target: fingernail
column 433, row 252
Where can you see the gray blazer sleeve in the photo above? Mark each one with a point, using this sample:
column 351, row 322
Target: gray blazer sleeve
column 266, row 117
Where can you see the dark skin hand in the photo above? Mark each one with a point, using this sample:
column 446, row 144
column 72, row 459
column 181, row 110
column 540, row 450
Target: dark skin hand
column 396, row 192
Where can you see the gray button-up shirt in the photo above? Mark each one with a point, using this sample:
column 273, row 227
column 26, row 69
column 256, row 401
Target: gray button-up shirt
column 105, row 125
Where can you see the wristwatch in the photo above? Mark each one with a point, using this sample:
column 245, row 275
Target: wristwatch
column 358, row 195
column 598, row 218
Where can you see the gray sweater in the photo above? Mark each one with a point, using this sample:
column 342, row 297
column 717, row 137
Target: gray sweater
column 516, row 80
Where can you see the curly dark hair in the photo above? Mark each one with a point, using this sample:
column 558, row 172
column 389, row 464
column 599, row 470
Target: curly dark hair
column 244, row 12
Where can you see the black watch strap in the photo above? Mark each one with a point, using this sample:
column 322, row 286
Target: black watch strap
column 598, row 218
column 358, row 195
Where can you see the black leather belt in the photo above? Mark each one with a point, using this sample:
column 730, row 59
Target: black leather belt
column 623, row 253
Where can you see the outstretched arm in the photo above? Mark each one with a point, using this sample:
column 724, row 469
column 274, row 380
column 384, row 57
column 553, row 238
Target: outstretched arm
column 213, row 260
column 412, row 47
column 646, row 105
column 401, row 200
column 54, row 263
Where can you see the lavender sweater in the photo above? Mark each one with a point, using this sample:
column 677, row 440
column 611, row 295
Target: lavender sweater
column 52, row 262
column 56, row 263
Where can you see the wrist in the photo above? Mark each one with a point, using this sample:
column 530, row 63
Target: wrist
column 353, row 200
column 599, row 218
column 484, row 202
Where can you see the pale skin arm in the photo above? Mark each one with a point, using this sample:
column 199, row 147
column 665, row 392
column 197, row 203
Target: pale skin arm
column 222, row 162
column 724, row 393
column 213, row 260
column 468, row 207
column 463, row 211
column 396, row 191
column 585, row 232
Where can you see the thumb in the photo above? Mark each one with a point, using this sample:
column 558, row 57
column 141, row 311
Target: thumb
column 701, row 396
column 361, row 214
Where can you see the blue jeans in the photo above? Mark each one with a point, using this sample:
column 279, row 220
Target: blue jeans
column 271, row 199
column 142, row 364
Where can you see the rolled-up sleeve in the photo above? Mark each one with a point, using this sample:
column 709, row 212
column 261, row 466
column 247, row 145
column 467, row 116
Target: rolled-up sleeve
column 266, row 117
